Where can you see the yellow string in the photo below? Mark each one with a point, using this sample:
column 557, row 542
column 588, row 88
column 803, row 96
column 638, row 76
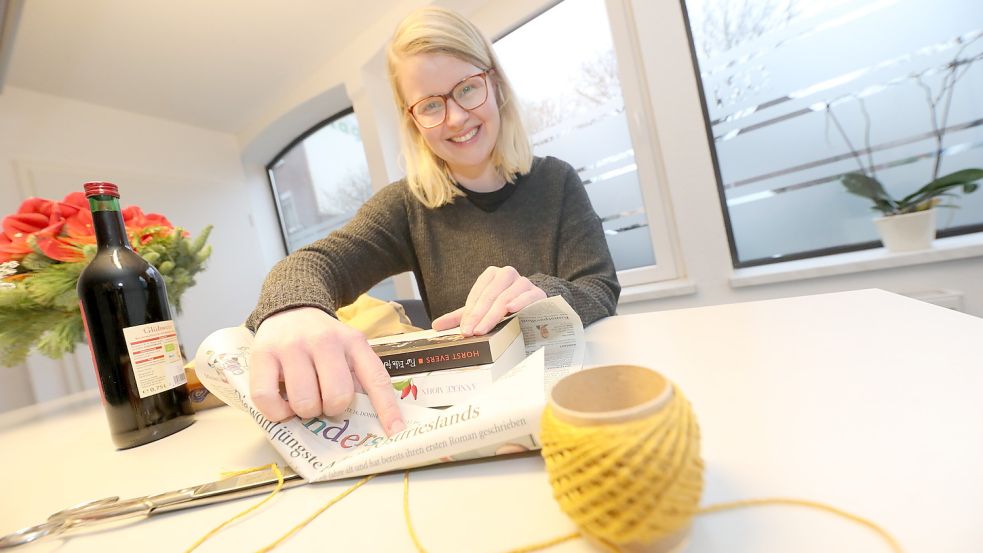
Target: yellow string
column 316, row 514
column 279, row 485
column 419, row 546
column 745, row 503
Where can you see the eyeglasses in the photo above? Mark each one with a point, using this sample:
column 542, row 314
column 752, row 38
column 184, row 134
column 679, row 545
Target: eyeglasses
column 470, row 93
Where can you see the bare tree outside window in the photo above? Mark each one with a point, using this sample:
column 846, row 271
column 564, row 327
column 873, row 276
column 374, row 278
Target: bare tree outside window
column 726, row 24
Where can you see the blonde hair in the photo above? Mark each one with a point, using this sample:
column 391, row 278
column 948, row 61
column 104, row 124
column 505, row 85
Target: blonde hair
column 434, row 30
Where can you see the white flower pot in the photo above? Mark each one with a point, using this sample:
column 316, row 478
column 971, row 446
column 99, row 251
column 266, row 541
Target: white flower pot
column 908, row 232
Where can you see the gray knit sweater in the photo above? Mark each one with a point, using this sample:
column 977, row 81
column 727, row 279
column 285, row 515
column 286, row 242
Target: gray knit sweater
column 546, row 229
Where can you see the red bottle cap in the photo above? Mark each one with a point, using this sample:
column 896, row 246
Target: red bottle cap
column 100, row 189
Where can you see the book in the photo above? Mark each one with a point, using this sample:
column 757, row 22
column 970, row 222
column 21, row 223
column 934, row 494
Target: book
column 442, row 388
column 431, row 350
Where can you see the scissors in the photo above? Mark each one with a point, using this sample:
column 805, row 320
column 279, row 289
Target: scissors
column 113, row 509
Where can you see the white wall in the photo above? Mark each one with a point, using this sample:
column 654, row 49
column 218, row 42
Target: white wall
column 50, row 145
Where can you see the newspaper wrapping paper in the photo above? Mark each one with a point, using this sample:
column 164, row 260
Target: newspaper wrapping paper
column 502, row 419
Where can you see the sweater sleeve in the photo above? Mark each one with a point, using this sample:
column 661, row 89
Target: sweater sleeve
column 586, row 277
column 333, row 271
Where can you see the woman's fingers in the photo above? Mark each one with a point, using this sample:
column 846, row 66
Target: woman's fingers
column 485, row 291
column 264, row 386
column 316, row 356
column 300, row 381
column 334, row 377
column 521, row 293
column 498, row 292
column 479, row 285
column 448, row 320
column 378, row 386
column 526, row 298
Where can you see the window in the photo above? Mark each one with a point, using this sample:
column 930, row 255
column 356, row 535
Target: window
column 799, row 93
column 575, row 106
column 319, row 181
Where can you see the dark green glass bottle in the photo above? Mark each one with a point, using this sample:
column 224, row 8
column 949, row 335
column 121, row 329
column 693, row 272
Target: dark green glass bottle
column 131, row 333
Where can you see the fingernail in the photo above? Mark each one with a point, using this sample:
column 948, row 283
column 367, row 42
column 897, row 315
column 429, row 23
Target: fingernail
column 336, row 404
column 396, row 427
column 306, row 407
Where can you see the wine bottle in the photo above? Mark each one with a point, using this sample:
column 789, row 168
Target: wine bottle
column 131, row 334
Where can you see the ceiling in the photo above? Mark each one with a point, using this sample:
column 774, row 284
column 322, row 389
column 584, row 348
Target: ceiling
column 217, row 64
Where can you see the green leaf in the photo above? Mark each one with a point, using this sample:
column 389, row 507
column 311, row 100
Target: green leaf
column 202, row 238
column 966, row 179
column 203, row 254
column 959, row 177
column 21, row 328
column 62, row 337
column 55, row 286
column 35, row 262
column 870, row 188
column 400, row 385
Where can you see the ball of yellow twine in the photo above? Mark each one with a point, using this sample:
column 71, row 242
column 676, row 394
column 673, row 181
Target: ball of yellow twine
column 630, row 482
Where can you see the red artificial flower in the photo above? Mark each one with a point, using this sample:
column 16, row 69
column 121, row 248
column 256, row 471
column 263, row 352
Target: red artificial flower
column 60, row 229
column 41, row 220
column 144, row 227
column 79, row 227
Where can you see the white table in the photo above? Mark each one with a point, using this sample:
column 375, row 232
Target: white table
column 866, row 400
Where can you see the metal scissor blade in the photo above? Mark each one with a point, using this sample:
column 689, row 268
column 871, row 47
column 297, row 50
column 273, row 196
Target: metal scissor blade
column 226, row 489
column 33, row 533
column 112, row 509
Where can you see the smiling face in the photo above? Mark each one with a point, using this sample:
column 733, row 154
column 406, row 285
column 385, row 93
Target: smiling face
column 466, row 139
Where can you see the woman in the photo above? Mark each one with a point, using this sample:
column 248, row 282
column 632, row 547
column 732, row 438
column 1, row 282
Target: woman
column 486, row 229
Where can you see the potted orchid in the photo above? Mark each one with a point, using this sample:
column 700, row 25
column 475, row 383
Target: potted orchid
column 43, row 248
column 908, row 223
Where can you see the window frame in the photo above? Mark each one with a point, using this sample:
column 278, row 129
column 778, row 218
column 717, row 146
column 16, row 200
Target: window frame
column 279, row 156
column 640, row 117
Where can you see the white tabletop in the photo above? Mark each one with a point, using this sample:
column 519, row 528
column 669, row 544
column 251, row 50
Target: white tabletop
column 865, row 400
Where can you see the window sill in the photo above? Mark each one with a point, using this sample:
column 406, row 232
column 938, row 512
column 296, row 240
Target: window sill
column 656, row 290
column 943, row 249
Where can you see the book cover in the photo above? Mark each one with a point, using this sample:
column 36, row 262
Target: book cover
column 430, row 350
column 447, row 387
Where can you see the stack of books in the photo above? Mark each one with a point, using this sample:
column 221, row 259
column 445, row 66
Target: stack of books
column 438, row 369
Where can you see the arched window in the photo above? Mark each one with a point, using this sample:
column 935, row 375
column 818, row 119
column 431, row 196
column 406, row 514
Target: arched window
column 320, row 180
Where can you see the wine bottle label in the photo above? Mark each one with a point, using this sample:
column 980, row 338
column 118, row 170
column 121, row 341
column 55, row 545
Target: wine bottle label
column 155, row 357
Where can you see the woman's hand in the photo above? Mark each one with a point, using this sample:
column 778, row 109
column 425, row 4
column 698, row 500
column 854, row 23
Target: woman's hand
column 497, row 292
column 316, row 356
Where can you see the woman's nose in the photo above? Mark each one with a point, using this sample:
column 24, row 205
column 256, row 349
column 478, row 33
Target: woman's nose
column 456, row 115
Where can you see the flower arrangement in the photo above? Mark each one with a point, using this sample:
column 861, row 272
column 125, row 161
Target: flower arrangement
column 43, row 248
